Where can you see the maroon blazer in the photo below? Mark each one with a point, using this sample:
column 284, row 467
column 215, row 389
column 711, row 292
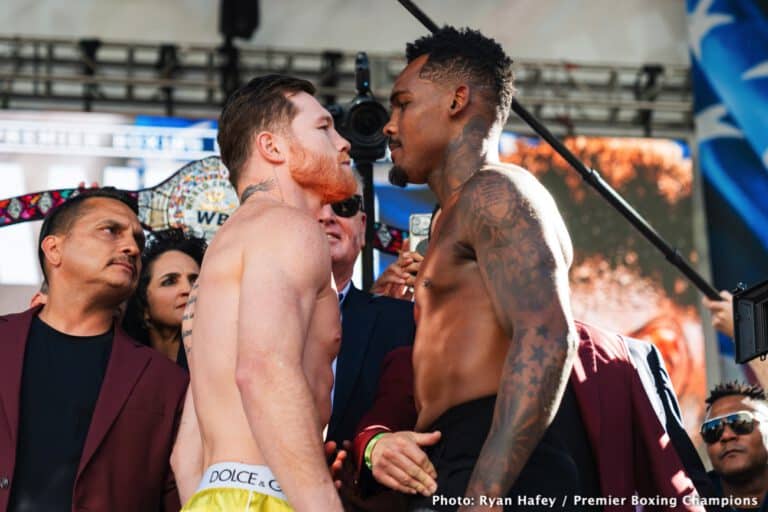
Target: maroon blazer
column 631, row 447
column 394, row 407
column 125, row 461
column 632, row 450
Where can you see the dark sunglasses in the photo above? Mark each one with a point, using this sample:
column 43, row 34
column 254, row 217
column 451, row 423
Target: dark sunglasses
column 741, row 423
column 348, row 207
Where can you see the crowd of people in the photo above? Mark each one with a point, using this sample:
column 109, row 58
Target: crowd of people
column 252, row 375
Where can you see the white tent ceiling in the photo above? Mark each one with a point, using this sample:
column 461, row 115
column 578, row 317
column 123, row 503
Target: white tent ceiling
column 629, row 31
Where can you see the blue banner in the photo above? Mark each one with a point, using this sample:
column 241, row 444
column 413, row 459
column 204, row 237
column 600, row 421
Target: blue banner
column 729, row 71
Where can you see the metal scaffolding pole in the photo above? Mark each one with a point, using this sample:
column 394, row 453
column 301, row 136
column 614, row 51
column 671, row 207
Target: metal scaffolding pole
column 113, row 76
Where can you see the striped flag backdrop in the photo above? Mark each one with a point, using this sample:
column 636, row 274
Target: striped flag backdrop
column 729, row 64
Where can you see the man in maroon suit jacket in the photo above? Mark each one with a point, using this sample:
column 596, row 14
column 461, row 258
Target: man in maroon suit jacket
column 87, row 415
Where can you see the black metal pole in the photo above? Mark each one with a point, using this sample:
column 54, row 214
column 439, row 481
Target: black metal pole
column 419, row 15
column 365, row 168
column 592, row 177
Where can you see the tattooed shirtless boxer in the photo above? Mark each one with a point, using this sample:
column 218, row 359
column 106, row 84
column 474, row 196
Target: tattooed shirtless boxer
column 495, row 338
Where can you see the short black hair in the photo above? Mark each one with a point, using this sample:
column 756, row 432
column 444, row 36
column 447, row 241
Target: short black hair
column 61, row 218
column 735, row 388
column 158, row 243
column 468, row 55
column 261, row 104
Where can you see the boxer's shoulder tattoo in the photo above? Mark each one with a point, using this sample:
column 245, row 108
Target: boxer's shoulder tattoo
column 262, row 186
column 506, row 230
column 518, row 263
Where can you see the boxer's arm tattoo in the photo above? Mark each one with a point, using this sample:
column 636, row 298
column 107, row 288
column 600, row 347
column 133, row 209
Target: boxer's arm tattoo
column 189, row 315
column 522, row 273
column 262, row 186
column 186, row 338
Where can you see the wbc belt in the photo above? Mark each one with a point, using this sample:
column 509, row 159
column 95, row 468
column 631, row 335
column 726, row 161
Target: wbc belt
column 197, row 198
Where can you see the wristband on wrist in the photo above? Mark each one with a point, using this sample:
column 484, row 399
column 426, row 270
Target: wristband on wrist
column 369, row 450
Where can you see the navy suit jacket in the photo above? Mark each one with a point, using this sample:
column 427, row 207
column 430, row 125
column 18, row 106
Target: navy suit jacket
column 371, row 327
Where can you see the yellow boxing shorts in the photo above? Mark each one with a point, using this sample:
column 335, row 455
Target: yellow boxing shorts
column 234, row 487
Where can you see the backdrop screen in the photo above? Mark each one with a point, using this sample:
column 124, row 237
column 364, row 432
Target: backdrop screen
column 619, row 281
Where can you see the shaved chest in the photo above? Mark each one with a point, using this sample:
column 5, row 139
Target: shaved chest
column 325, row 320
column 449, row 269
column 324, row 333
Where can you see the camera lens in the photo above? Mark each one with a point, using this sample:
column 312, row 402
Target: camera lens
column 365, row 122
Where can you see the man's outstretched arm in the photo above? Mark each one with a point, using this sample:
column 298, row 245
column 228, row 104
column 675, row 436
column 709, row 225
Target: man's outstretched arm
column 279, row 289
column 522, row 260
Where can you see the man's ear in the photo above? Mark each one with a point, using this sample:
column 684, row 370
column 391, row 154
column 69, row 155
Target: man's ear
column 270, row 146
column 51, row 247
column 460, row 100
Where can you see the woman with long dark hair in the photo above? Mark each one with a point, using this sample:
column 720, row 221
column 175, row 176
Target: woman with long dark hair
column 170, row 264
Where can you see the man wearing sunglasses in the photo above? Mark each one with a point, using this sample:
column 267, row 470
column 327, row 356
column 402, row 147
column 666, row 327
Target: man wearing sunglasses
column 371, row 326
column 736, row 433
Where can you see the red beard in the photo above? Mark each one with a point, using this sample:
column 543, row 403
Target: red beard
column 321, row 174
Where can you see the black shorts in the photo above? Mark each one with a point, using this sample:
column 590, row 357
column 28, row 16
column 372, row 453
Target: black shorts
column 560, row 467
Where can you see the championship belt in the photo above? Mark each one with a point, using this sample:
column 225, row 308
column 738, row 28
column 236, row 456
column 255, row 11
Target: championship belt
column 388, row 239
column 197, row 198
column 32, row 206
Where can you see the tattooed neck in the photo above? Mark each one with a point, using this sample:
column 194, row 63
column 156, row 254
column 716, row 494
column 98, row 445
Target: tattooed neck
column 464, row 156
column 262, row 186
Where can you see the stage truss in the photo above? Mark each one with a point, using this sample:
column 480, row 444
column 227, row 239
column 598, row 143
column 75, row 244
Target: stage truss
column 187, row 80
